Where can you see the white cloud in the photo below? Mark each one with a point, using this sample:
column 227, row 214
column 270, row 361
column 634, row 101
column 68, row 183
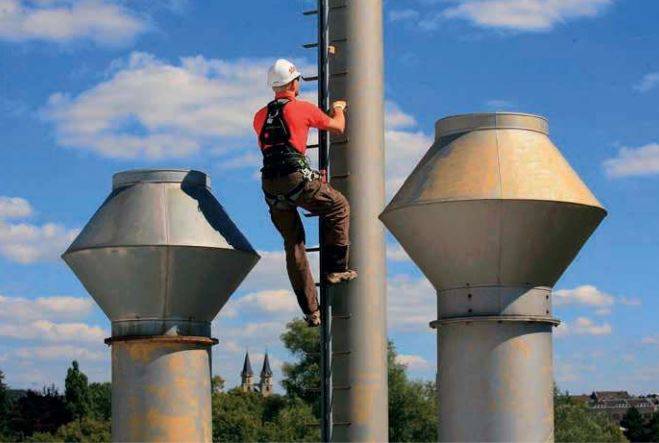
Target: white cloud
column 413, row 362
column 102, row 22
column 523, row 15
column 403, row 14
column 412, row 304
column 404, row 149
column 648, row 82
column 630, row 162
column 19, row 309
column 56, row 332
column 582, row 326
column 629, row 301
column 267, row 302
column 249, row 160
column 28, row 243
column 152, row 109
column 586, row 295
column 14, row 207
column 396, row 253
column 61, row 352
column 651, row 340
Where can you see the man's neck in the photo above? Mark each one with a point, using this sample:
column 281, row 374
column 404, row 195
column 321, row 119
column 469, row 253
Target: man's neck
column 285, row 94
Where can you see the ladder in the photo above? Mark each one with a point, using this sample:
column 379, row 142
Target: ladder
column 323, row 146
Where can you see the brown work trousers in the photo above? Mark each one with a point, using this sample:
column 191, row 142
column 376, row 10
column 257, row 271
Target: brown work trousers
column 320, row 199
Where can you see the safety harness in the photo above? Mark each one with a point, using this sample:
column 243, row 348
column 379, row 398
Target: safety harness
column 280, row 158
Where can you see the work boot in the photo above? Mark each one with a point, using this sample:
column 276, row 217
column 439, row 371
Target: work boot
column 338, row 277
column 313, row 319
column 337, row 264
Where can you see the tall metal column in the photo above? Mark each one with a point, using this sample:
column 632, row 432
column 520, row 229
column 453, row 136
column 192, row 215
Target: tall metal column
column 359, row 333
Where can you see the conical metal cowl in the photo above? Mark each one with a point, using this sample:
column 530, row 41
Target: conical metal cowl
column 161, row 256
column 493, row 214
column 493, row 202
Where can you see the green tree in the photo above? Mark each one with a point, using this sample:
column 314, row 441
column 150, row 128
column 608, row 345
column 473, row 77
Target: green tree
column 35, row 412
column 412, row 404
column 217, row 384
column 304, row 343
column 634, row 424
column 575, row 422
column 100, row 400
column 294, row 421
column 86, row 429
column 77, row 392
column 4, row 407
column 652, row 428
column 237, row 416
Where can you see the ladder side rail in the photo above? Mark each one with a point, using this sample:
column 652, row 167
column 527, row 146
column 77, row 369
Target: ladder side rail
column 323, row 163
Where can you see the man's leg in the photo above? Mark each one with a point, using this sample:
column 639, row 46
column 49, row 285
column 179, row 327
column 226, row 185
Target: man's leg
column 289, row 225
column 321, row 199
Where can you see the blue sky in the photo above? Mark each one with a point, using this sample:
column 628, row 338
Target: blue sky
column 92, row 87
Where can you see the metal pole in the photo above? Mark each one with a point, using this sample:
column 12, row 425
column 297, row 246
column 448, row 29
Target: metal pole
column 359, row 335
column 323, row 156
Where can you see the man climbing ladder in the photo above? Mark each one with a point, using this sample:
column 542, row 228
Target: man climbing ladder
column 288, row 182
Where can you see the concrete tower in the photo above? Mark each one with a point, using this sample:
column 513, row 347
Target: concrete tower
column 161, row 258
column 493, row 215
column 266, row 377
column 247, row 375
column 359, row 331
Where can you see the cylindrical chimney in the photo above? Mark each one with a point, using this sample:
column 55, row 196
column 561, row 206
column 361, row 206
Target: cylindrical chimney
column 161, row 258
column 359, row 331
column 493, row 215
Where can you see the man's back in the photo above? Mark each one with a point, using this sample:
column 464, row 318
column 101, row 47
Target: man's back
column 300, row 116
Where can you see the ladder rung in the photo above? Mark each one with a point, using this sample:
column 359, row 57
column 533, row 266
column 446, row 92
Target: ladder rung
column 311, row 389
column 342, row 353
column 343, row 317
column 317, row 285
column 315, row 44
column 315, row 146
column 315, row 77
column 340, row 176
column 341, row 388
column 315, row 11
column 309, row 214
column 314, row 249
column 341, row 423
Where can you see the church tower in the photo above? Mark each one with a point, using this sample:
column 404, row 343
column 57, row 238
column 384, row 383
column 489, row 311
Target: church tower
column 266, row 377
column 246, row 375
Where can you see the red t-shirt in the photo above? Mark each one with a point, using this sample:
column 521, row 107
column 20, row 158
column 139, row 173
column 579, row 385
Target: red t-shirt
column 300, row 116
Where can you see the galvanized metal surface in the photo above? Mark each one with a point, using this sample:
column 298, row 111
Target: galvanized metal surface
column 357, row 159
column 161, row 256
column 161, row 390
column 495, row 382
column 493, row 215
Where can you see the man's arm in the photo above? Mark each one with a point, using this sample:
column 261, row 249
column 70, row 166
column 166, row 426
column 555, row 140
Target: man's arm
column 337, row 121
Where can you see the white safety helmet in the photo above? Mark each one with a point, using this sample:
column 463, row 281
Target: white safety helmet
column 281, row 73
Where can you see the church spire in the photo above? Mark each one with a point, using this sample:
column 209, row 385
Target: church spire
column 247, row 367
column 266, row 377
column 246, row 375
column 266, row 371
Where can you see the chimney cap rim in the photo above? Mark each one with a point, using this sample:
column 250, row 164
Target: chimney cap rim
column 130, row 177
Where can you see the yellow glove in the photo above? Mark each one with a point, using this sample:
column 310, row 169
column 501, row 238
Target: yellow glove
column 341, row 104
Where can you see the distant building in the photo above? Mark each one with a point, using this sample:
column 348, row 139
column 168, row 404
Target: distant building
column 265, row 385
column 616, row 403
